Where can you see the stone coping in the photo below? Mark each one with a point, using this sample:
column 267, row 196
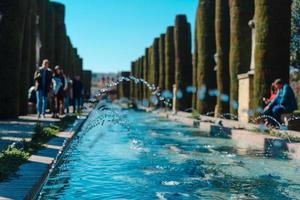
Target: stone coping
column 31, row 175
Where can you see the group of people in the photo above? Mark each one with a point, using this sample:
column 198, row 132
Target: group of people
column 282, row 100
column 55, row 87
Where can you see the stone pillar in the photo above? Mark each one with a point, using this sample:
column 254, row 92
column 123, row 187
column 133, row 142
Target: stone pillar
column 246, row 83
column 245, row 96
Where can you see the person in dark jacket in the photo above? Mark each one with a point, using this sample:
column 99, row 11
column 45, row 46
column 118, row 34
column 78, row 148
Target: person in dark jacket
column 42, row 78
column 58, row 83
column 77, row 93
column 284, row 101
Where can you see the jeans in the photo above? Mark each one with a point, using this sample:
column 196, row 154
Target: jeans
column 41, row 103
column 275, row 112
column 77, row 104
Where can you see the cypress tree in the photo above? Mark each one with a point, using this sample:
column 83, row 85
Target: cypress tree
column 71, row 60
column 60, row 33
column 205, row 43
column 241, row 12
column 67, row 56
column 272, row 54
column 162, row 67
column 138, row 71
column 13, row 15
column 49, row 33
column 135, row 84
column 33, row 63
column 138, row 75
column 151, row 68
column 222, row 24
column 141, row 77
column 146, row 73
column 42, row 26
column 183, row 60
column 170, row 59
column 124, row 87
column 155, row 61
column 132, row 83
column 86, row 80
column 195, row 81
column 26, row 62
column 87, row 74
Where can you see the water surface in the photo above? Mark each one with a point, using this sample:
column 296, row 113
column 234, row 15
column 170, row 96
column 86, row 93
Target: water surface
column 136, row 155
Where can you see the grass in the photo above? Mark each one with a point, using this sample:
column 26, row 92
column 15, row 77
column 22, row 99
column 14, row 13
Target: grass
column 12, row 158
column 296, row 112
column 288, row 137
column 195, row 114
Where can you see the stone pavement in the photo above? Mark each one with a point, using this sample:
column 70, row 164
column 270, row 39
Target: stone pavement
column 19, row 129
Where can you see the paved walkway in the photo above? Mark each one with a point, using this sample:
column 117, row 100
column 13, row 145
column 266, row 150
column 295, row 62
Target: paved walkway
column 31, row 175
column 19, row 129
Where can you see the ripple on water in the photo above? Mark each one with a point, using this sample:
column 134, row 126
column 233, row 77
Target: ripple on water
column 172, row 195
column 170, row 183
column 131, row 180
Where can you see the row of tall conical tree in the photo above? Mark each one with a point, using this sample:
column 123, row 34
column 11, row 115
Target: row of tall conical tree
column 31, row 30
column 223, row 44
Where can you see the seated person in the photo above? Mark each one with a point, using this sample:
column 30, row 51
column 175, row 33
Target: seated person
column 284, row 101
column 273, row 93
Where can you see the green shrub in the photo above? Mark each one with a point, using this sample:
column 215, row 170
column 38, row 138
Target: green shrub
column 10, row 160
column 42, row 135
column 64, row 122
column 296, row 112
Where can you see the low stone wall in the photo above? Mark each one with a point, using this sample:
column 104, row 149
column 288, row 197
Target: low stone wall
column 243, row 133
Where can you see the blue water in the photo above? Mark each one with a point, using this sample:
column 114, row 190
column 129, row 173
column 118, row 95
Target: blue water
column 136, row 155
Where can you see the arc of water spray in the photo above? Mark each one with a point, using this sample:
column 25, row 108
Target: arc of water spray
column 152, row 87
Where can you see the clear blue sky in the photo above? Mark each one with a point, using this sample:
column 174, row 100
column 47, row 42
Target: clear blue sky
column 111, row 33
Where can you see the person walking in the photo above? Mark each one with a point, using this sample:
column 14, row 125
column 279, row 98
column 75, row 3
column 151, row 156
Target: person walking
column 77, row 94
column 42, row 78
column 58, row 82
column 68, row 94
